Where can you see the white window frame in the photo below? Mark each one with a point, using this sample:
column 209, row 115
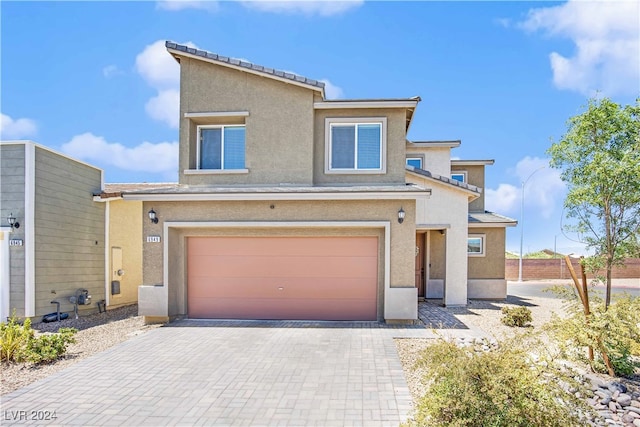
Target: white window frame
column 406, row 162
column 222, row 168
column 463, row 173
column 483, row 243
column 345, row 121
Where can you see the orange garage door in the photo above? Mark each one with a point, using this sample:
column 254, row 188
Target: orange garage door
column 313, row 278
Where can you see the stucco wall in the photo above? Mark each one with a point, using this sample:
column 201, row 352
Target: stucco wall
column 12, row 188
column 436, row 159
column 69, row 232
column 402, row 239
column 490, row 266
column 279, row 128
column 475, row 176
column 125, row 232
column 395, row 154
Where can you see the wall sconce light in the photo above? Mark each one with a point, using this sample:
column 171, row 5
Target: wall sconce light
column 12, row 221
column 401, row 216
column 152, row 216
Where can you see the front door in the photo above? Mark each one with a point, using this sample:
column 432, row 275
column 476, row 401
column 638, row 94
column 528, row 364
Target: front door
column 420, row 257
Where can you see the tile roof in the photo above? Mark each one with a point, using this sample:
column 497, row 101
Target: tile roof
column 487, row 217
column 444, row 179
column 243, row 64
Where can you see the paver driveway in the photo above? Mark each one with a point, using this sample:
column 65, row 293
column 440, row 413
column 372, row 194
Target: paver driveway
column 193, row 374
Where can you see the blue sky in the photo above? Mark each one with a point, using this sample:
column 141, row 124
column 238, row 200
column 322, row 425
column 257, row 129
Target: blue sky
column 92, row 79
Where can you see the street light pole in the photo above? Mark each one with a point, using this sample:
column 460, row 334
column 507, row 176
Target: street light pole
column 522, row 221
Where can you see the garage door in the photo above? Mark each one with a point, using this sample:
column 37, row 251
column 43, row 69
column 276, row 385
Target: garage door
column 312, row 278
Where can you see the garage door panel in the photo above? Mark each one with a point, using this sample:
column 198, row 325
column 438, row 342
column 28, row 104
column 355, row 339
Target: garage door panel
column 260, row 308
column 332, row 278
column 284, row 246
column 269, row 266
column 279, row 287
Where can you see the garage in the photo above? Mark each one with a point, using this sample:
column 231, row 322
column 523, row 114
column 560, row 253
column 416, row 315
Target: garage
column 304, row 278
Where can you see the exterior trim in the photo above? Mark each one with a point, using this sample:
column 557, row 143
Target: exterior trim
column 492, row 224
column 330, row 105
column 51, row 150
column 29, row 229
column 374, row 195
column 437, row 144
column 217, row 114
column 214, row 171
column 107, row 253
column 5, row 274
column 473, row 162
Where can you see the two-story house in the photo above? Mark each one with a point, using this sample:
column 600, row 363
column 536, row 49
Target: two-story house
column 292, row 206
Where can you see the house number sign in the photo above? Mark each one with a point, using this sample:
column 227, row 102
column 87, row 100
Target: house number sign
column 15, row 242
column 153, row 239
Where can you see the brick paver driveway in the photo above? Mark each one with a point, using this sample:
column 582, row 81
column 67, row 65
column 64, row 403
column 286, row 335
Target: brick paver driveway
column 199, row 373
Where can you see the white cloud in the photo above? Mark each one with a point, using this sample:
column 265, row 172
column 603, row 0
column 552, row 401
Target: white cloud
column 16, row 128
column 165, row 107
column 543, row 189
column 176, row 5
column 161, row 71
column 304, row 7
column 332, row 91
column 146, row 157
column 111, row 71
column 607, row 40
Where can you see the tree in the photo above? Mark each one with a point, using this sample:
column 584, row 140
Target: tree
column 599, row 156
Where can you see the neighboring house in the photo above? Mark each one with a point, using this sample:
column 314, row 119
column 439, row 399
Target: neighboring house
column 291, row 206
column 56, row 244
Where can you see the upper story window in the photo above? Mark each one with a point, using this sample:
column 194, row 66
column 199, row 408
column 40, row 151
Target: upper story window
column 459, row 176
column 355, row 145
column 416, row 162
column 221, row 147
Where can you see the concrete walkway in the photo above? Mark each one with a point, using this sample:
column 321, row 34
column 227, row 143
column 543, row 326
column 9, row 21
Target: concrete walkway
column 231, row 373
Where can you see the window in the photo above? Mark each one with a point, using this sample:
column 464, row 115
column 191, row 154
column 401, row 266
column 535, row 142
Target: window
column 475, row 245
column 416, row 162
column 221, row 147
column 355, row 145
column 459, row 176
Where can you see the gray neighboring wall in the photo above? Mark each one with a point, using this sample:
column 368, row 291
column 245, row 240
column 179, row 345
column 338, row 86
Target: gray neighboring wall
column 12, row 190
column 69, row 231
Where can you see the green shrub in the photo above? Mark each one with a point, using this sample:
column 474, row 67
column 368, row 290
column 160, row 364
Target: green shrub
column 516, row 316
column 506, row 386
column 616, row 330
column 18, row 343
column 14, row 339
column 49, row 347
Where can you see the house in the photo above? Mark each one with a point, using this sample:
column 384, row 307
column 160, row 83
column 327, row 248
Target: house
column 52, row 234
column 292, row 206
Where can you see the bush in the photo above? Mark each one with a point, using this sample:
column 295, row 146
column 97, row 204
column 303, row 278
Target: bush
column 506, row 386
column 18, row 343
column 615, row 330
column 516, row 316
column 14, row 339
column 49, row 347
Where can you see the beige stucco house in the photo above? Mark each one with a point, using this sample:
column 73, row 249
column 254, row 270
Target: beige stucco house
column 292, row 206
column 52, row 233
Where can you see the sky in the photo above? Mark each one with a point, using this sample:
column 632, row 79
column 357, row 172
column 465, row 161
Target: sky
column 93, row 79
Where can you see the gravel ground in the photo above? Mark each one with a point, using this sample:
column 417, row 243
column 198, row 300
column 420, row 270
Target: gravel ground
column 484, row 316
column 96, row 332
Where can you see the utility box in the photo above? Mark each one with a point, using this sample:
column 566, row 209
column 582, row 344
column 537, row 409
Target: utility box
column 115, row 287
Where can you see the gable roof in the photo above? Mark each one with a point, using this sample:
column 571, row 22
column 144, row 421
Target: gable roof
column 178, row 50
column 489, row 219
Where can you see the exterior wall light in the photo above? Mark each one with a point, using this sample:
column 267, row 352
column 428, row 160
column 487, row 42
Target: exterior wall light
column 152, row 216
column 12, row 221
column 401, row 216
